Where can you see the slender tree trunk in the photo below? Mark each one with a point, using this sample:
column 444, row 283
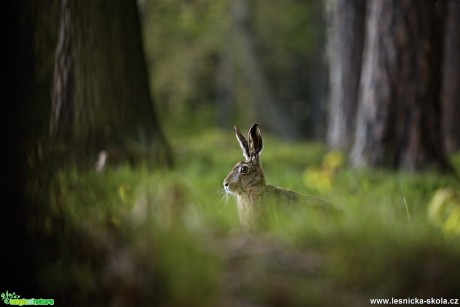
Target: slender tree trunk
column 101, row 97
column 451, row 79
column 399, row 112
column 225, row 96
column 267, row 111
column 346, row 41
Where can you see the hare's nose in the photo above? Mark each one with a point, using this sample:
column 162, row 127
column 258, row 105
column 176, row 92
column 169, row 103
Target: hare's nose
column 225, row 184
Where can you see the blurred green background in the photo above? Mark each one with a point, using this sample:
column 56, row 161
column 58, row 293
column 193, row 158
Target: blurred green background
column 224, row 62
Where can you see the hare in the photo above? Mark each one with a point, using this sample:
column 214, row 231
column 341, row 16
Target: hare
column 247, row 182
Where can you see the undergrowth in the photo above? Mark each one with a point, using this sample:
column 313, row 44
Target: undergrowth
column 172, row 238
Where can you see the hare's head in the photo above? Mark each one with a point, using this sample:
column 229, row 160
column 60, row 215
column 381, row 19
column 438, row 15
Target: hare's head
column 247, row 174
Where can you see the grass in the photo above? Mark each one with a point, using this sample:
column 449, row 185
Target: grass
column 172, row 238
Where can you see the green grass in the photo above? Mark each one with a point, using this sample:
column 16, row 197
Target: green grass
column 173, row 238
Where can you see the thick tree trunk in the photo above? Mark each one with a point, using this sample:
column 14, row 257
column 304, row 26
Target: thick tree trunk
column 399, row 112
column 346, row 41
column 101, row 96
column 61, row 121
column 451, row 79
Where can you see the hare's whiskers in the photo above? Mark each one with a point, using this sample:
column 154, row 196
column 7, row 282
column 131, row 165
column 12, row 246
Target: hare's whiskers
column 223, row 198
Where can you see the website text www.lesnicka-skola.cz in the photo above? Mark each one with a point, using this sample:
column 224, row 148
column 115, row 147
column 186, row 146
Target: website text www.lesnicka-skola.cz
column 414, row 301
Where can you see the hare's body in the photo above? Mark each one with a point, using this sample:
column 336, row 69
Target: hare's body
column 247, row 182
column 253, row 202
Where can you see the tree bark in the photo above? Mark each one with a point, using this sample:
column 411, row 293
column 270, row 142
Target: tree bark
column 399, row 112
column 346, row 40
column 451, row 79
column 101, row 98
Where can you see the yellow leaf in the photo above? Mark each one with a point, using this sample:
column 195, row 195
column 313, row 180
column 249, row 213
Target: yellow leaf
column 124, row 192
column 444, row 211
column 318, row 178
column 333, row 160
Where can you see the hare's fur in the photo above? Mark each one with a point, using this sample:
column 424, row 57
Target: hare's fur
column 247, row 182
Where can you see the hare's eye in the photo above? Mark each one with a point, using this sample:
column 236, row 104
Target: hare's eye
column 244, row 169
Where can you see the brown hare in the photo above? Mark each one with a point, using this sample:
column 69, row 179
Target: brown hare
column 247, row 182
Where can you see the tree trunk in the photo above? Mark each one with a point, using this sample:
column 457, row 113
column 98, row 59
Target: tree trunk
column 346, row 40
column 451, row 80
column 101, row 99
column 267, row 111
column 225, row 81
column 399, row 112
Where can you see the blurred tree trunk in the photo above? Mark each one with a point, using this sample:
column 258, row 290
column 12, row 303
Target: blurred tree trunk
column 346, row 40
column 451, row 80
column 266, row 111
column 312, row 118
column 101, row 98
column 225, row 88
column 399, row 111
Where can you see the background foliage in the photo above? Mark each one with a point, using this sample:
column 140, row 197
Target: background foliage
column 188, row 42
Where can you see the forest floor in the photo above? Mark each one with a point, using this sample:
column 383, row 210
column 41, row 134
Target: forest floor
column 128, row 236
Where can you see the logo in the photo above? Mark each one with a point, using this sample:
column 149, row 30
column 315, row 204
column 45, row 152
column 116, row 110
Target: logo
column 11, row 298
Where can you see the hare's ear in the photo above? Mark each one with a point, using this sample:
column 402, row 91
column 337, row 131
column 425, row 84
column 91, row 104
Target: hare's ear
column 255, row 141
column 243, row 143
